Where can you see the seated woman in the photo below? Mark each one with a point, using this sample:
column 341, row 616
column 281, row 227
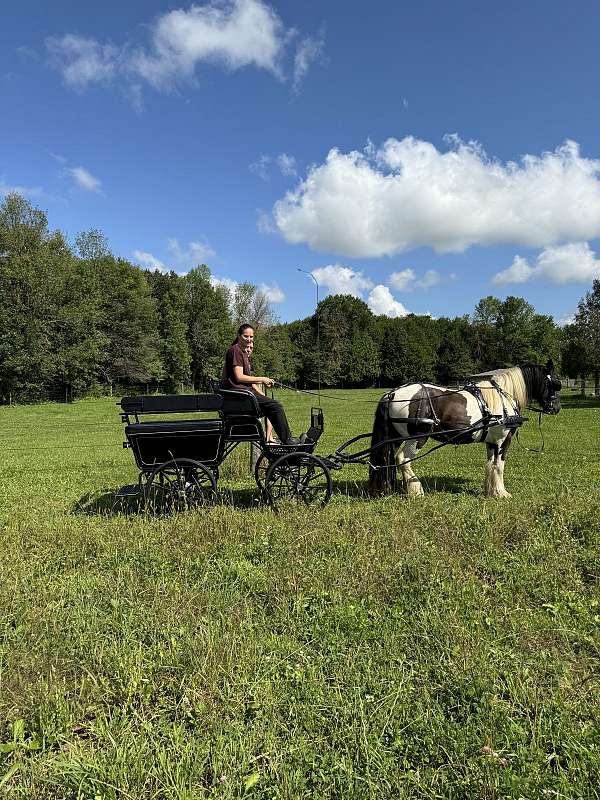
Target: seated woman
column 237, row 374
column 258, row 388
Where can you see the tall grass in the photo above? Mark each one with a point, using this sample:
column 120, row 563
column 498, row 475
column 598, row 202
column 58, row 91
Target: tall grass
column 445, row 647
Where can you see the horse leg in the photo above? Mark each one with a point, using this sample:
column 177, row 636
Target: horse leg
column 406, row 452
column 494, row 468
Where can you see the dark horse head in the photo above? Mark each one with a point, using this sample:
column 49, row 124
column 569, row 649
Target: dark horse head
column 543, row 386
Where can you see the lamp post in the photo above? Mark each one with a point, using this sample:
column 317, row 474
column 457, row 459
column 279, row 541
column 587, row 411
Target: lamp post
column 306, row 272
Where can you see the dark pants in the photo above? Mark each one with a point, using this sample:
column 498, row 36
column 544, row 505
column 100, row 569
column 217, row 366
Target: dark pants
column 273, row 411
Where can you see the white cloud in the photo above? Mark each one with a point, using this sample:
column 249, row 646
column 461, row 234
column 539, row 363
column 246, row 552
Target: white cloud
column 148, row 260
column 84, row 179
column 308, row 51
column 195, row 253
column 287, row 165
column 227, row 283
column 264, row 223
column 562, row 321
column 403, row 280
column 431, row 278
column 342, row 280
column 273, row 293
column 84, row 60
column 407, row 194
column 381, row 301
column 236, row 34
column 25, row 191
column 406, row 280
column 260, row 167
column 232, row 34
column 570, row 263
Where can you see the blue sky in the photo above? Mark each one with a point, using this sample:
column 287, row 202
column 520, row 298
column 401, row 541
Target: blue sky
column 420, row 156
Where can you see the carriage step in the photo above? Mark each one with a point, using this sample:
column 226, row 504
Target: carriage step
column 131, row 490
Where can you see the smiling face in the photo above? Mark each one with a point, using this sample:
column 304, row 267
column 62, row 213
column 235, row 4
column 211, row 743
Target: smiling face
column 246, row 337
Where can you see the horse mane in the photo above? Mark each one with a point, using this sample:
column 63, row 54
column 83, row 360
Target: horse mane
column 510, row 381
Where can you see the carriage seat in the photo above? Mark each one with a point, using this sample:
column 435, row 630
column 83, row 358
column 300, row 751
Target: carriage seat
column 239, row 403
column 171, row 403
column 174, row 426
column 241, row 413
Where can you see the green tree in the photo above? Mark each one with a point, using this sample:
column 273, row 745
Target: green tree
column 346, row 321
column 587, row 320
column 453, row 357
column 128, row 324
column 575, row 361
column 210, row 329
column 169, row 292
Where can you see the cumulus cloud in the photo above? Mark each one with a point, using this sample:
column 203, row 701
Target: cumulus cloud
column 431, row 278
column 195, row 253
column 342, row 280
column 232, row 34
column 226, row 283
column 381, row 301
column 406, row 280
column 569, row 263
column 84, row 179
column 403, row 280
column 273, row 293
column 148, row 260
column 408, row 194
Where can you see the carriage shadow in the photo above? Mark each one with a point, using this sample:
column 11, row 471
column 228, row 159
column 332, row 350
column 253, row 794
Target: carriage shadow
column 105, row 503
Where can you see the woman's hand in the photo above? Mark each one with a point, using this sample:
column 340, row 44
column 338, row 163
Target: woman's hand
column 266, row 381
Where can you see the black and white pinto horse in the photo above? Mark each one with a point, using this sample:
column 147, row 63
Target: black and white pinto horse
column 487, row 410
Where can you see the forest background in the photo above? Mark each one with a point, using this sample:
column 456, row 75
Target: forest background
column 76, row 320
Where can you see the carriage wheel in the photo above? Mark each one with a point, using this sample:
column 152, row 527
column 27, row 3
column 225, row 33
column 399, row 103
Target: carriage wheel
column 179, row 485
column 298, row 479
column 260, row 470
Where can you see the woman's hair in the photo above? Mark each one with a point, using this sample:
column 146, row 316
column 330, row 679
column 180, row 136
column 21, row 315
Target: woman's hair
column 240, row 330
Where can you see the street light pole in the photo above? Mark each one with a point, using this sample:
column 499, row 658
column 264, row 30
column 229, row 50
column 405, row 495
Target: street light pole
column 306, row 272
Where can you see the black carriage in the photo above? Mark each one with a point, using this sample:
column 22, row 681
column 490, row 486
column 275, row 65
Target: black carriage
column 179, row 459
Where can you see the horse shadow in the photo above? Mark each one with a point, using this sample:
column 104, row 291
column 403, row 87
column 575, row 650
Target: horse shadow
column 359, row 489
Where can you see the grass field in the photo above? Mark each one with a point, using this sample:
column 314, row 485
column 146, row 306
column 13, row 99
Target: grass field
column 442, row 647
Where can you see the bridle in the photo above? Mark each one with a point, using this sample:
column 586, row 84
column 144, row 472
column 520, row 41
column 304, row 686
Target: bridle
column 547, row 405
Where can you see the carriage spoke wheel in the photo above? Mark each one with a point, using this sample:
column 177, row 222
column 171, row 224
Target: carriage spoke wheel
column 179, row 485
column 298, row 479
column 260, row 470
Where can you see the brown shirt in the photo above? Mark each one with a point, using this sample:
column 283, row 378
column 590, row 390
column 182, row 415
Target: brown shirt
column 236, row 356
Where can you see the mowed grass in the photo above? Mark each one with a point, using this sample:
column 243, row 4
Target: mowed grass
column 441, row 647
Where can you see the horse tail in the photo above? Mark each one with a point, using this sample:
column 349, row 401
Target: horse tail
column 382, row 469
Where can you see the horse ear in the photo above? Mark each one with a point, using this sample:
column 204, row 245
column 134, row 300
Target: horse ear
column 550, row 366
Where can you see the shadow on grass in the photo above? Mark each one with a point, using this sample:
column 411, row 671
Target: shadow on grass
column 105, row 503
column 431, row 483
column 577, row 401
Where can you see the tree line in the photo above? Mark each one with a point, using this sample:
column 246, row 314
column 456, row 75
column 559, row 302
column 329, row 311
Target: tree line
column 76, row 320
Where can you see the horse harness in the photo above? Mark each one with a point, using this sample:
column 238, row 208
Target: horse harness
column 488, row 419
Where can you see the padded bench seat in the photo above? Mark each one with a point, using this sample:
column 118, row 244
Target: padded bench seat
column 158, row 442
column 173, row 426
